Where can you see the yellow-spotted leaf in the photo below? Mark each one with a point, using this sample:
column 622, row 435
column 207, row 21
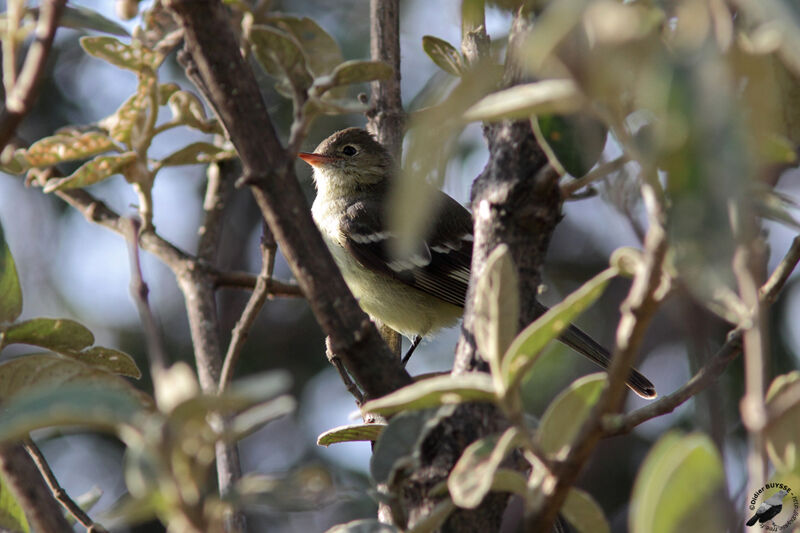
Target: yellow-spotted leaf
column 197, row 154
column 92, row 172
column 108, row 359
column 55, row 334
column 128, row 56
column 443, row 54
column 351, row 433
column 59, row 148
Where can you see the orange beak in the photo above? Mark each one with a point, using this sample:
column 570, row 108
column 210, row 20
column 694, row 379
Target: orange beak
column 315, row 160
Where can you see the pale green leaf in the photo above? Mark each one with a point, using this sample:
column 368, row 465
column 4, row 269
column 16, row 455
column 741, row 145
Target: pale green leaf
column 59, row 148
column 568, row 411
column 83, row 18
column 92, row 172
column 531, row 341
column 585, row 515
column 443, row 54
column 320, row 50
column 522, row 101
column 680, row 487
column 351, row 72
column 281, row 56
column 127, row 123
column 351, row 433
column 12, row 515
column 107, row 359
column 783, row 444
column 254, row 418
column 496, row 312
column 57, row 334
column 433, row 392
column 10, row 290
column 363, row 525
column 189, row 110
column 72, row 404
column 197, row 153
column 133, row 56
column 507, row 480
column 473, row 475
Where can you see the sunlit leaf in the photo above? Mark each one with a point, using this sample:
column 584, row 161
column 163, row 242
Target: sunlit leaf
column 529, row 343
column 680, row 487
column 10, row 290
column 433, row 392
column 473, row 474
column 90, row 405
column 12, row 515
column 351, row 433
column 196, row 154
column 351, row 72
column 783, row 445
column 522, row 101
column 107, row 359
column 254, row 418
column 576, row 140
column 281, row 56
column 443, row 54
column 568, row 411
column 583, row 513
column 59, row 148
column 52, row 333
column 92, row 172
column 128, row 56
column 127, row 123
column 496, row 312
column 305, row 488
column 189, row 110
column 321, row 51
column 363, row 525
column 83, row 18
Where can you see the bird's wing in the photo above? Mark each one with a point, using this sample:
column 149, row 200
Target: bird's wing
column 441, row 261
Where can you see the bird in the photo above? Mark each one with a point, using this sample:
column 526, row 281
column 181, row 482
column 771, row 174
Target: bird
column 769, row 509
column 419, row 293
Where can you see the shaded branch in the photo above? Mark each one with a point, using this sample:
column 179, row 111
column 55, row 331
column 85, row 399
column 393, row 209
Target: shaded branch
column 268, row 169
column 59, row 493
column 21, row 97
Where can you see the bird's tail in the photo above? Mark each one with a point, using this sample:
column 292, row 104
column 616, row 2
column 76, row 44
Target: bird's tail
column 753, row 520
column 586, row 346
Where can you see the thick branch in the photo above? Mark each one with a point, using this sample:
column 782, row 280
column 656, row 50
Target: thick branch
column 269, row 170
column 20, row 99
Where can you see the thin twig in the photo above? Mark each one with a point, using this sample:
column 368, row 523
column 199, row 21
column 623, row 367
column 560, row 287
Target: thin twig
column 246, row 280
column 600, row 172
column 25, row 481
column 156, row 352
column 21, row 97
column 60, row 494
column 771, row 289
column 254, row 305
column 345, row 377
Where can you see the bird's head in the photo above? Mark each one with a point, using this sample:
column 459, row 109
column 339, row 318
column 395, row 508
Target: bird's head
column 349, row 159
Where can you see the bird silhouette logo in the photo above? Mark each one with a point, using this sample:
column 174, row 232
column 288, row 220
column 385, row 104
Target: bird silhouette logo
column 769, row 508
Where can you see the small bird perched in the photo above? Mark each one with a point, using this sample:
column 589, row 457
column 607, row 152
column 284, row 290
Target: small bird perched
column 415, row 295
column 769, row 509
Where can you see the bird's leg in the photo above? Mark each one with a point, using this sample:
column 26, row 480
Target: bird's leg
column 414, row 345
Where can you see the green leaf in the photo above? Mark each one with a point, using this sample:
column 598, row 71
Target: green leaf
column 473, row 474
column 320, row 50
column 398, row 447
column 364, row 525
column 281, row 57
column 196, row 154
column 566, row 414
column 72, row 404
column 496, row 313
column 585, row 515
column 351, row 72
column 51, row 370
column 433, row 392
column 57, row 334
column 443, row 54
column 12, row 515
column 82, row 18
column 522, row 101
column 351, row 433
column 133, row 57
column 92, row 172
column 165, row 91
column 680, row 487
column 531, row 341
column 576, row 140
column 107, row 359
column 254, row 418
column 59, row 148
column 189, row 110
column 781, row 433
column 13, row 161
column 127, row 123
column 10, row 290
column 507, row 480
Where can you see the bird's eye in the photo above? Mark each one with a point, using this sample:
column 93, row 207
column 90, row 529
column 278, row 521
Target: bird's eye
column 349, row 150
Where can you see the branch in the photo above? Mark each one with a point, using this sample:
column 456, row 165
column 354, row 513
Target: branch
column 21, row 475
column 246, row 280
column 59, row 493
column 21, row 97
column 268, row 169
column 601, row 171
